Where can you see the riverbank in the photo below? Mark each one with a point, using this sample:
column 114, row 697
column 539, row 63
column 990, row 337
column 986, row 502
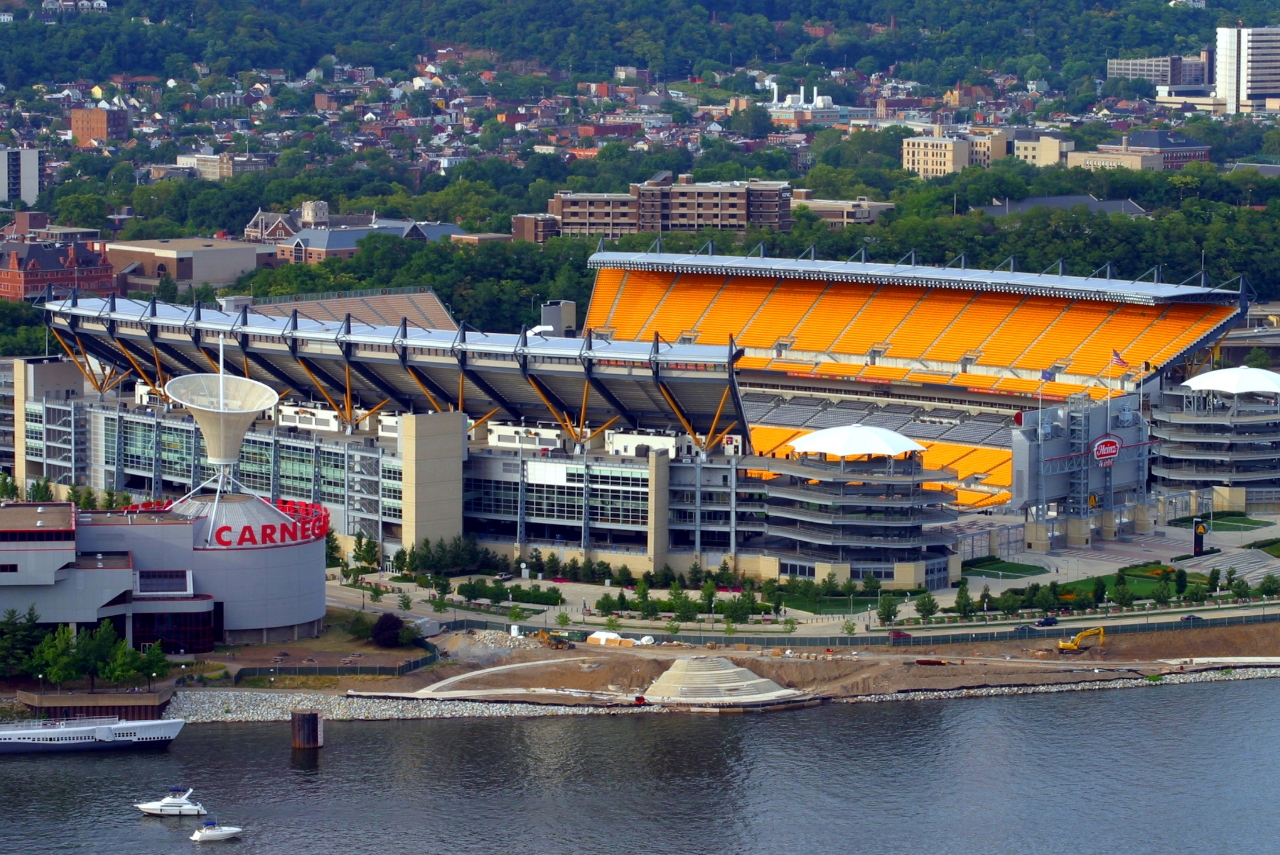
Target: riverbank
column 1084, row 686
column 208, row 706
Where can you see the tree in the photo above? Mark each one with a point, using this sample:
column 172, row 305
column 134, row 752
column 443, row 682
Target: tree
column 409, row 633
column 964, row 602
column 1180, row 582
column 1124, row 596
column 789, row 625
column 1197, row 594
column 926, row 605
column 563, row 620
column 1162, row 593
column 515, row 614
column 19, row 637
column 754, row 122
column 85, row 210
column 606, row 605
column 386, row 630
column 1008, row 603
column 406, row 602
column 1240, row 588
column 870, row 585
column 1231, row 578
column 124, row 666
column 1099, row 589
column 1269, row 586
column 154, row 663
column 612, row 623
column 849, row 627
column 88, row 501
column 41, row 491
column 672, row 628
column 94, row 650
column 360, row 627
column 708, row 597
column 375, row 595
column 1045, row 600
column 1214, row 578
column 1122, row 580
column 1258, row 358
column 888, row 610
column 56, row 656
column 830, row 587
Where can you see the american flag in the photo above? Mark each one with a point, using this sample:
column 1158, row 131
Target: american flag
column 1117, row 359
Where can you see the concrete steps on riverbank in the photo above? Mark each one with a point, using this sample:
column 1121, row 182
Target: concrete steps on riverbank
column 1251, row 564
column 715, row 682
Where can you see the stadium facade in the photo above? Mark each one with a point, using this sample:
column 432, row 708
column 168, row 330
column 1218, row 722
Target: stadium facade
column 670, row 419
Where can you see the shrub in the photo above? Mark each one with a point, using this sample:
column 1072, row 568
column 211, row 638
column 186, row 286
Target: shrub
column 849, row 627
column 563, row 619
column 386, row 630
column 613, row 624
column 360, row 627
column 409, row 633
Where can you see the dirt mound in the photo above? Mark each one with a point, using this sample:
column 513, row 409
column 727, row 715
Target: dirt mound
column 631, row 674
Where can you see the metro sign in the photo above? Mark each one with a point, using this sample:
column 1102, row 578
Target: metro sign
column 1106, row 449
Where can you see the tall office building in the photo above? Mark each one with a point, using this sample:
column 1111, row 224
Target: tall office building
column 20, row 174
column 1248, row 67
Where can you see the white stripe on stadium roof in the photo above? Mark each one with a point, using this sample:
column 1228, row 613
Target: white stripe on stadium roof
column 967, row 279
column 477, row 343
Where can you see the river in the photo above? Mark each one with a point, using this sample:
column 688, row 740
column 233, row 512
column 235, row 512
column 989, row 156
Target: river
column 1160, row 770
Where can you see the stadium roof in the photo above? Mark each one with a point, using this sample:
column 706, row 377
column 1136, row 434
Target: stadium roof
column 960, row 278
column 582, row 384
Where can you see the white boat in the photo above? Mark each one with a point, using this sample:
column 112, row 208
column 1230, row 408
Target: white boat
column 177, row 803
column 212, row 831
column 105, row 733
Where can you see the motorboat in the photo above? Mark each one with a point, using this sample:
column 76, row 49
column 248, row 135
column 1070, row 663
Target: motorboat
column 177, row 803
column 211, row 830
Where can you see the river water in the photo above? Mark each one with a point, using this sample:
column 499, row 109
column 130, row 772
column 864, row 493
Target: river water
column 1159, row 770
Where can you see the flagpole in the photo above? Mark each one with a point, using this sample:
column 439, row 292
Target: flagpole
column 1042, row 511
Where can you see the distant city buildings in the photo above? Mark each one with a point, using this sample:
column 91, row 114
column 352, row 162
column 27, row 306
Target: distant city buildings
column 20, row 174
column 1191, row 71
column 1146, row 150
column 29, row 269
column 838, row 213
column 92, row 127
column 938, row 155
column 1248, row 69
column 220, row 167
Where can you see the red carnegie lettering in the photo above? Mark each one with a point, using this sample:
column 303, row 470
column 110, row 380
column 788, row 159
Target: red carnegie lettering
column 247, row 536
column 218, row 535
column 306, row 529
column 268, row 533
column 288, row 532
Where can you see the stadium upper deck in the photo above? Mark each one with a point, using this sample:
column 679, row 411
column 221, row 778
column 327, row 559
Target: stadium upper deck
column 979, row 329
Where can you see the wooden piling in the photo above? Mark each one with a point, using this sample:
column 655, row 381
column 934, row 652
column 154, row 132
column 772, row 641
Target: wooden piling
column 308, row 729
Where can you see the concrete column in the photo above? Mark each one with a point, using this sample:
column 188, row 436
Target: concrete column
column 1036, row 535
column 1110, row 525
column 659, row 504
column 1079, row 532
column 432, row 447
column 954, row 569
column 1162, row 511
column 822, row 570
column 1142, row 520
column 1230, row 499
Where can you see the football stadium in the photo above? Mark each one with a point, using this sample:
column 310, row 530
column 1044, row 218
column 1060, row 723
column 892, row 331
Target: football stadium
column 665, row 431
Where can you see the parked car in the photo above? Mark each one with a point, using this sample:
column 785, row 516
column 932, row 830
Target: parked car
column 504, row 577
column 1024, row 630
column 1047, row 621
column 897, row 633
column 1192, row 619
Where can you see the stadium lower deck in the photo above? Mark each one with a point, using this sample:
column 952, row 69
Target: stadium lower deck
column 945, row 356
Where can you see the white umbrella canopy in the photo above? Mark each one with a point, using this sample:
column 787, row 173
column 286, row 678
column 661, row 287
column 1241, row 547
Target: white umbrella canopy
column 855, row 440
column 1236, row 381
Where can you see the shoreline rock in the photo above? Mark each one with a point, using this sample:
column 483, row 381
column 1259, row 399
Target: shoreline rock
column 209, row 707
column 1051, row 688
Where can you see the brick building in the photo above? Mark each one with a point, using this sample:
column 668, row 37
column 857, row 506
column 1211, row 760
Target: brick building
column 28, row 268
column 96, row 124
column 1151, row 150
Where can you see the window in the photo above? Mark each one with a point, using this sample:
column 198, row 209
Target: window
column 8, row 568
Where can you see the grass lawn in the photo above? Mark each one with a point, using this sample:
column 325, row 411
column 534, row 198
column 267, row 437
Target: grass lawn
column 1226, row 523
column 1005, row 570
column 1142, row 584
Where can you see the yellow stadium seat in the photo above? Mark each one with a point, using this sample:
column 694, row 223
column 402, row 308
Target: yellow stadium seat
column 831, row 314
column 1023, row 326
column 883, row 372
column 768, row 440
column 1121, row 330
column 934, row 312
column 739, row 300
column 782, row 312
column 757, row 363
column 1081, row 320
column 682, row 306
column 641, row 294
column 840, row 369
column 978, row 321
column 882, row 314
column 608, row 281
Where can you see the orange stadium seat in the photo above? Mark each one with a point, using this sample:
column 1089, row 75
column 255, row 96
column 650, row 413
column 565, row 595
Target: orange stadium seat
column 641, row 294
column 883, row 372
column 831, row 314
column 753, row 363
column 1192, row 324
column 979, row 319
column 881, row 316
column 1017, row 384
column 975, row 381
column 1081, row 320
column 682, row 306
column 767, row 440
column 840, row 369
column 608, row 281
column 1121, row 330
column 1024, row 324
column 936, row 311
column 793, row 366
column 739, row 300
column 785, row 308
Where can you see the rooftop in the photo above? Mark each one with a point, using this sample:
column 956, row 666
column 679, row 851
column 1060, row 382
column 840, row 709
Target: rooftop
column 23, row 516
column 180, row 244
column 960, row 278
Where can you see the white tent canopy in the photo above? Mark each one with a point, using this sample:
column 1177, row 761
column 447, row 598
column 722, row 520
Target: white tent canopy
column 1236, row 381
column 855, row 440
